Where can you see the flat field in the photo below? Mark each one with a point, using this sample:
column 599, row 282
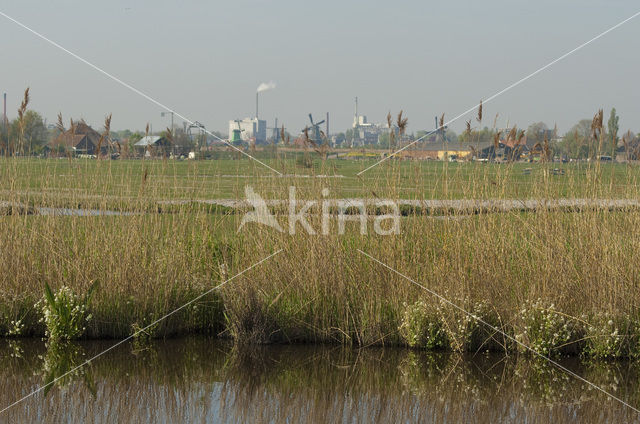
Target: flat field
column 129, row 183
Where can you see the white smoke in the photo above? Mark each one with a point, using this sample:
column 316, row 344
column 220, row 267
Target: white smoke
column 266, row 86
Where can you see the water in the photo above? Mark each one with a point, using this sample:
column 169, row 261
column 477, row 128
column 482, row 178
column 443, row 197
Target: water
column 208, row 380
column 81, row 212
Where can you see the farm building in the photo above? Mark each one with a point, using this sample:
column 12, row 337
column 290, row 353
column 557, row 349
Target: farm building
column 82, row 139
column 153, row 142
column 628, row 150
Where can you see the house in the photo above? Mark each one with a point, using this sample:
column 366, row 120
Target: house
column 513, row 149
column 153, row 142
column 81, row 139
column 629, row 150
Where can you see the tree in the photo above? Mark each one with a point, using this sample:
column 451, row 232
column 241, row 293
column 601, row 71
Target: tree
column 485, row 135
column 124, row 134
column 4, row 137
column 182, row 142
column 537, row 132
column 383, row 140
column 613, row 131
column 35, row 133
column 578, row 143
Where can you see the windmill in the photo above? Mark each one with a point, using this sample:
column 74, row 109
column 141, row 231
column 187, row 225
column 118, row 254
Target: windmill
column 236, row 136
column 317, row 134
column 441, row 128
column 276, row 132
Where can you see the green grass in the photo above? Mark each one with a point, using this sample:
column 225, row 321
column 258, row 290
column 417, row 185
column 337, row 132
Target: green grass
column 123, row 185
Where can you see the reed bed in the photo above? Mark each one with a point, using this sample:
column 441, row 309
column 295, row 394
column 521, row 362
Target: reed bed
column 562, row 282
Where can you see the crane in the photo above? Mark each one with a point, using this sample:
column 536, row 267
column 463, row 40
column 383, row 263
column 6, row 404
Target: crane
column 201, row 130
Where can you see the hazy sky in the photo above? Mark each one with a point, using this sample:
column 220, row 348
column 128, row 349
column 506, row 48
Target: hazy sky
column 205, row 60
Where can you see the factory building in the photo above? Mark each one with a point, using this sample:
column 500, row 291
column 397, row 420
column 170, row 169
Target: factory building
column 251, row 129
column 367, row 132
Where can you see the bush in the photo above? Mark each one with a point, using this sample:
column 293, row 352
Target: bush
column 421, row 327
column 466, row 333
column 607, row 337
column 64, row 313
column 545, row 330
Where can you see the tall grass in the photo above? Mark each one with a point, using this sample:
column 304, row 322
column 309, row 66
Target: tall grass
column 320, row 289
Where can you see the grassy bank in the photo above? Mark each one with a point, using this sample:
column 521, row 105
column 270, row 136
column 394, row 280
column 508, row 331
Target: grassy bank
column 560, row 282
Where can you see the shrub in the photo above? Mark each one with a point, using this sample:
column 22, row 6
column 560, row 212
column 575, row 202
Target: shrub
column 545, row 330
column 64, row 313
column 421, row 327
column 607, row 337
column 465, row 331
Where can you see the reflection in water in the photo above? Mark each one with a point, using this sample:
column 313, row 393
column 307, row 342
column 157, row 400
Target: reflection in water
column 62, row 366
column 201, row 379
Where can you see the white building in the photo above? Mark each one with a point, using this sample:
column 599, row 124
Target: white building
column 368, row 132
column 252, row 129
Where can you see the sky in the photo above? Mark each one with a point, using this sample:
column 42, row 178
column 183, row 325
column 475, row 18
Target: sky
column 205, row 60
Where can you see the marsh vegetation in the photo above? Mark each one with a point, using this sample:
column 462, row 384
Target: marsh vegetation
column 562, row 281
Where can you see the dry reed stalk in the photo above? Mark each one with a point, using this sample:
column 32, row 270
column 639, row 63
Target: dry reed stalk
column 546, row 149
column 392, row 134
column 104, row 136
column 147, row 148
column 596, row 124
column 402, row 124
column 21, row 120
column 496, row 142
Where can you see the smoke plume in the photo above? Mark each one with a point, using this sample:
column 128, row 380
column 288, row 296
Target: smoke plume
column 266, row 86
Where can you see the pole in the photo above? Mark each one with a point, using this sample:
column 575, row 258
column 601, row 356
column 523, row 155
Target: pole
column 173, row 134
column 327, row 125
column 257, row 92
column 356, row 124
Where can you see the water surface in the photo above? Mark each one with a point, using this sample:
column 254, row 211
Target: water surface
column 208, row 380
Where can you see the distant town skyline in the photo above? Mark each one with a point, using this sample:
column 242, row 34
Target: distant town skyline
column 206, row 61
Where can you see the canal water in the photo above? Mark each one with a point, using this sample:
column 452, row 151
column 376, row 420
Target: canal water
column 199, row 379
